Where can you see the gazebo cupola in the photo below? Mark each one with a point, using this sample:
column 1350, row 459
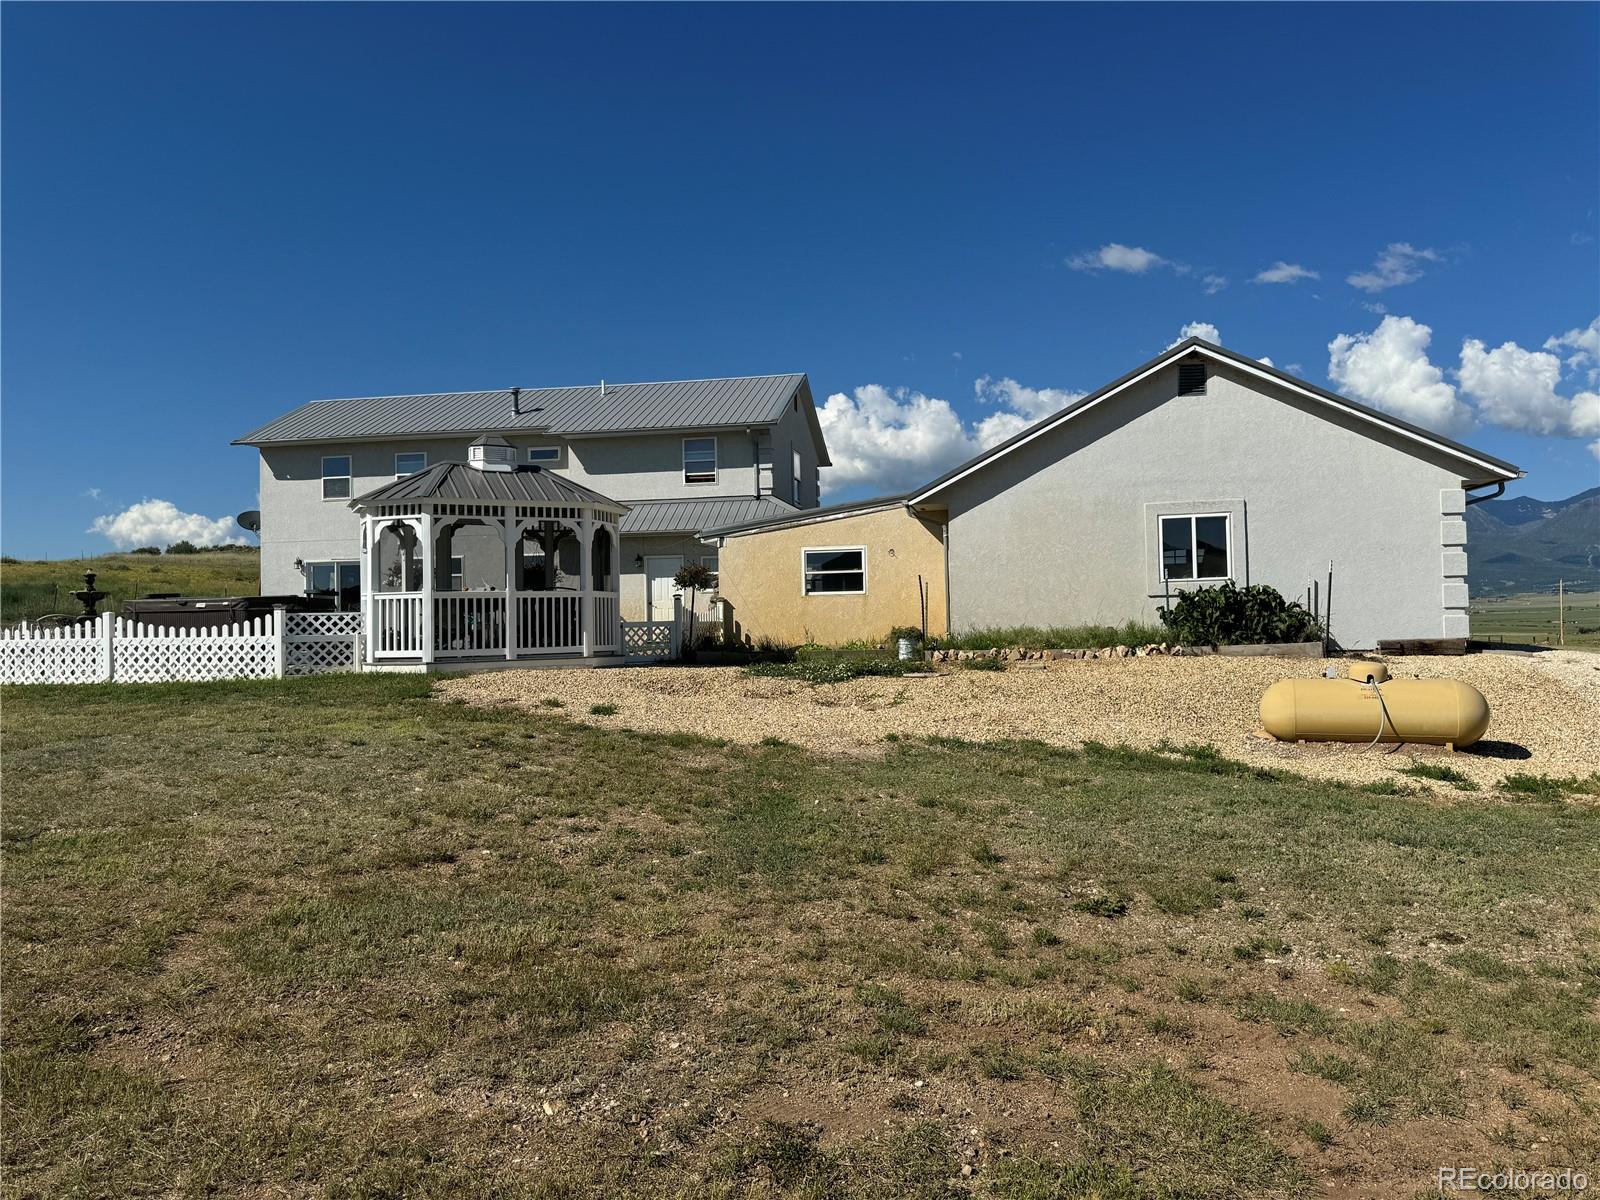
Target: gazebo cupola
column 488, row 559
column 491, row 452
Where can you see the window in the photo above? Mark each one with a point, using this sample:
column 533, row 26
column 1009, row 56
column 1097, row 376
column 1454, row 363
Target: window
column 409, row 464
column 839, row 570
column 1194, row 547
column 545, row 456
column 795, row 472
column 336, row 477
column 709, row 562
column 458, row 571
column 340, row 580
column 1192, row 378
column 700, row 460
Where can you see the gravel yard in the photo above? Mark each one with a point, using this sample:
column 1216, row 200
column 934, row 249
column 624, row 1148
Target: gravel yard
column 1546, row 708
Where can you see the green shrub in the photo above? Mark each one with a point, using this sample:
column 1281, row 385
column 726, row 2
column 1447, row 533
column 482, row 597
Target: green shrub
column 146, row 550
column 981, row 664
column 830, row 669
column 909, row 632
column 1055, row 637
column 183, row 547
column 1229, row 615
column 603, row 710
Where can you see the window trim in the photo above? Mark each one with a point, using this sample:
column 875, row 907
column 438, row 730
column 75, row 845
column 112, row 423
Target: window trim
column 1194, row 547
column 348, row 477
column 805, row 550
column 1237, row 512
column 556, row 454
column 715, row 460
column 399, row 454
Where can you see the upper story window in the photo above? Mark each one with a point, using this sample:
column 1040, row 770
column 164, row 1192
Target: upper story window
column 700, row 460
column 834, row 570
column 544, row 456
column 797, row 476
column 336, row 477
column 1195, row 547
column 410, row 464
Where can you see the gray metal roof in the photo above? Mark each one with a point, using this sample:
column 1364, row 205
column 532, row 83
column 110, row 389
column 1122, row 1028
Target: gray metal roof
column 571, row 411
column 802, row 516
column 691, row 516
column 457, row 481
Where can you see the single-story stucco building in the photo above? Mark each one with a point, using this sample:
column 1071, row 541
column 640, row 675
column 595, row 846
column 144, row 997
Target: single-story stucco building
column 1199, row 466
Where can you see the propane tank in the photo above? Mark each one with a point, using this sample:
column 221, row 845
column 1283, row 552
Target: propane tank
column 1437, row 712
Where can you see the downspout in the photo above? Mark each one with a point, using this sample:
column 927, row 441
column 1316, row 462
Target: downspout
column 1499, row 490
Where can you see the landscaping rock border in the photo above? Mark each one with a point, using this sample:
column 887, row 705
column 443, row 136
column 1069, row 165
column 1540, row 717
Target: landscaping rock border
column 1023, row 653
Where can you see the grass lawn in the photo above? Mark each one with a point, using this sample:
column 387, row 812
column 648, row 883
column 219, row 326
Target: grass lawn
column 1534, row 618
column 331, row 937
column 34, row 589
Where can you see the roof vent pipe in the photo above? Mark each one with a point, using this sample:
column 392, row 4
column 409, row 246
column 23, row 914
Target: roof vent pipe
column 516, row 401
column 602, row 389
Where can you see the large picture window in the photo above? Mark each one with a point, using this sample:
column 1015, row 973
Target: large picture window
column 700, row 460
column 1195, row 547
column 834, row 571
column 336, row 477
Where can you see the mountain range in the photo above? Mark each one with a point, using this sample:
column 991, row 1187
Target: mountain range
column 1521, row 544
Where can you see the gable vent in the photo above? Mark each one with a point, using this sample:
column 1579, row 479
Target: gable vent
column 1192, row 378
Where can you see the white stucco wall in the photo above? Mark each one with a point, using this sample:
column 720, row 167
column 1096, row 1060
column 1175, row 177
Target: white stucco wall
column 1060, row 531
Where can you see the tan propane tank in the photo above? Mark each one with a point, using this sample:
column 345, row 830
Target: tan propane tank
column 1438, row 712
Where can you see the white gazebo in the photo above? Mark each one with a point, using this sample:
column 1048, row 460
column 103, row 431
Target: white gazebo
column 488, row 561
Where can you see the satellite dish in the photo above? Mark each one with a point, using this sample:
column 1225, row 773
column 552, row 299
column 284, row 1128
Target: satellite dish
column 250, row 519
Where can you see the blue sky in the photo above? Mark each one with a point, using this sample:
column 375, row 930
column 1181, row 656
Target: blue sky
column 951, row 217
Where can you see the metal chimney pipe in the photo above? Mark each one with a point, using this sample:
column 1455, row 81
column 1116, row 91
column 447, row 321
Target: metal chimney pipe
column 516, row 401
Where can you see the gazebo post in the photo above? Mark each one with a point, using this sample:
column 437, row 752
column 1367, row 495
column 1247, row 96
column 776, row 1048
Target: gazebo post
column 511, row 535
column 586, row 567
column 369, row 586
column 428, row 549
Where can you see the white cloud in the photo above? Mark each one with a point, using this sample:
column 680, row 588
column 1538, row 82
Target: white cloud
column 1585, row 346
column 1266, row 360
column 161, row 522
column 1283, row 272
column 1204, row 330
column 1373, row 306
column 1389, row 368
column 1214, row 283
column 1397, row 263
column 892, row 439
column 1513, row 387
column 1114, row 256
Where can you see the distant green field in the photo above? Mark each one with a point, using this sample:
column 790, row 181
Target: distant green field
column 1532, row 617
column 29, row 590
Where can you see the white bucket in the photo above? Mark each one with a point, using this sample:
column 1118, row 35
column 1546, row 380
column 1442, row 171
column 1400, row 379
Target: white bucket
column 908, row 649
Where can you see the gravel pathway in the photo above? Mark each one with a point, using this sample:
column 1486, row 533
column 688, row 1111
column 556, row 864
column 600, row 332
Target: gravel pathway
column 1546, row 708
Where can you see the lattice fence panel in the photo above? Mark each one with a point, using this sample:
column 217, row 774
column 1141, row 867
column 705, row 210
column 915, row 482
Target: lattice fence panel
column 155, row 655
column 317, row 643
column 322, row 624
column 647, row 639
column 65, row 655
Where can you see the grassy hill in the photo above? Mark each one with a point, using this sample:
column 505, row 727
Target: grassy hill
column 1526, row 545
column 33, row 589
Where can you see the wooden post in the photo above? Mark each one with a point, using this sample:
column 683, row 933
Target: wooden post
column 1561, row 609
column 677, row 625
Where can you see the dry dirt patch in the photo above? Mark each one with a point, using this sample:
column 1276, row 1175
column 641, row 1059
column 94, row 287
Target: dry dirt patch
column 1546, row 709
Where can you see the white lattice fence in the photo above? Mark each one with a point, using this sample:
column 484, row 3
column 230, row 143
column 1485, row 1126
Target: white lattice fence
column 113, row 649
column 69, row 654
column 649, row 639
column 143, row 653
column 317, row 643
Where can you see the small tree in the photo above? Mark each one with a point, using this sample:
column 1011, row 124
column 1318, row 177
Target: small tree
column 183, row 547
column 694, row 579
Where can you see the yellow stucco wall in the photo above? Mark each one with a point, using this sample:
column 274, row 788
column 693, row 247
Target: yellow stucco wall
column 761, row 578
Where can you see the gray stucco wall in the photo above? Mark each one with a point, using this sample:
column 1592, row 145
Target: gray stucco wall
column 1061, row 531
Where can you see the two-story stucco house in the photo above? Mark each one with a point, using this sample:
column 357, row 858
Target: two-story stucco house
column 679, row 456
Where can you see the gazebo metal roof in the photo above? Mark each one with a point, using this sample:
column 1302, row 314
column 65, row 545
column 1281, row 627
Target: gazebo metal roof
column 523, row 484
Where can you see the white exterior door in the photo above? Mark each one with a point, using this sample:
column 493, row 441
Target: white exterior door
column 658, row 585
